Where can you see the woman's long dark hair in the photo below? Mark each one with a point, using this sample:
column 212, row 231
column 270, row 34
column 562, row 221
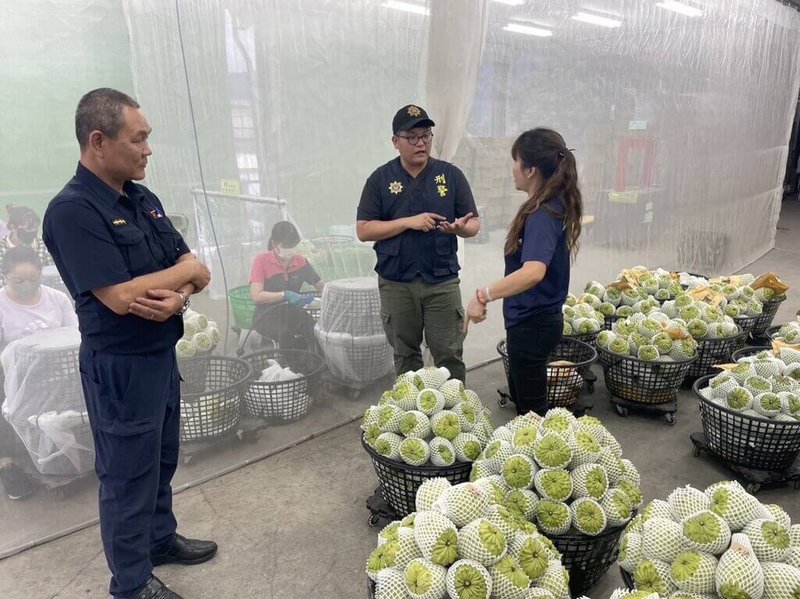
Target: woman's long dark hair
column 545, row 150
column 284, row 233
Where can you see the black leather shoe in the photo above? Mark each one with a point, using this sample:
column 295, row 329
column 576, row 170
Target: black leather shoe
column 155, row 589
column 185, row 551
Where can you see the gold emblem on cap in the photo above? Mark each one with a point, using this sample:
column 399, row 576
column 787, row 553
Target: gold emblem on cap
column 414, row 110
column 395, row 187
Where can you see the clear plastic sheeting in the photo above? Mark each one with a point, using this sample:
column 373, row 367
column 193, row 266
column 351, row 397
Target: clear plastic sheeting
column 350, row 332
column 680, row 123
column 679, row 115
column 231, row 231
column 44, row 401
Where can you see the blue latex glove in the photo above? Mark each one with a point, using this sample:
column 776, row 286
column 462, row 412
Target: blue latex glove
column 293, row 298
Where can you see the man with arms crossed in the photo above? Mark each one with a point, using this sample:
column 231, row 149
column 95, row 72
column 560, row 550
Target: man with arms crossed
column 130, row 274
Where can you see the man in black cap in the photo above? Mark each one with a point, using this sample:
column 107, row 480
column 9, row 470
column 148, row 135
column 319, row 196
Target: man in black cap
column 413, row 207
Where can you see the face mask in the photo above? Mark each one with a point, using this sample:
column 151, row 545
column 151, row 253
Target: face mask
column 26, row 237
column 286, row 253
column 25, row 290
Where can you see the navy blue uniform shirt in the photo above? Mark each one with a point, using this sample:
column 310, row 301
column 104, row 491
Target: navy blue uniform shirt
column 544, row 240
column 98, row 238
column 391, row 193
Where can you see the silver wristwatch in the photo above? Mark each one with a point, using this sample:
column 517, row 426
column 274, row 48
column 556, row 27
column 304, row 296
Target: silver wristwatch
column 186, row 303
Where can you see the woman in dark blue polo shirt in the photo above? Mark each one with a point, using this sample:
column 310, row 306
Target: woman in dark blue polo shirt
column 542, row 240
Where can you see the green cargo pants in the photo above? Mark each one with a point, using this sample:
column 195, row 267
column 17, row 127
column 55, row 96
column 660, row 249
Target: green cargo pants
column 411, row 309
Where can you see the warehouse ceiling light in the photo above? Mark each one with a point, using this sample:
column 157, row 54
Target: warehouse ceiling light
column 679, row 7
column 407, row 7
column 527, row 30
column 586, row 17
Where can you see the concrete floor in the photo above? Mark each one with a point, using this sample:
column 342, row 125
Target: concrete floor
column 294, row 525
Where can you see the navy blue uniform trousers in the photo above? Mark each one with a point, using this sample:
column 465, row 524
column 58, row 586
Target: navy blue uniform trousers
column 529, row 345
column 133, row 402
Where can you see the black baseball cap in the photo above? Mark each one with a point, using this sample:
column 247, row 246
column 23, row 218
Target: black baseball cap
column 411, row 116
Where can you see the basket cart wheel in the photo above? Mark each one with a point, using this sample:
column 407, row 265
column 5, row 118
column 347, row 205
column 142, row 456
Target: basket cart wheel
column 590, row 387
column 505, row 396
column 796, row 484
column 373, row 520
column 753, row 488
column 248, row 436
column 621, row 410
column 760, row 450
column 696, row 451
column 670, row 418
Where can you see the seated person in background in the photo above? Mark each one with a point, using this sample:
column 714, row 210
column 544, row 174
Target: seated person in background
column 23, row 228
column 276, row 278
column 26, row 306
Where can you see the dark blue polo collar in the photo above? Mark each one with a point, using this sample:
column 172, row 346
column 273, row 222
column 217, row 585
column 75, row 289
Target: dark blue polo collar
column 104, row 191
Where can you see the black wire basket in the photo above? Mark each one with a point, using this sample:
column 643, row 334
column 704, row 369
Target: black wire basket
column 588, row 338
column 313, row 312
column 642, row 381
column 399, row 481
column 282, row 401
column 587, row 558
column 746, row 323
column 564, row 383
column 773, row 332
column 764, row 320
column 750, row 350
column 608, row 322
column 218, row 407
column 753, row 442
column 711, row 352
column 193, row 372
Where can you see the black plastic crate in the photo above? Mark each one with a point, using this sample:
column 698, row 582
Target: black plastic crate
column 643, row 381
column 283, row 401
column 753, row 442
column 400, row 481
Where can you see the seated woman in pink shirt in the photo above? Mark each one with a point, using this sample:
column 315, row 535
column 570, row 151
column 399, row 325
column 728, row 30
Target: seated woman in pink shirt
column 26, row 306
column 276, row 278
